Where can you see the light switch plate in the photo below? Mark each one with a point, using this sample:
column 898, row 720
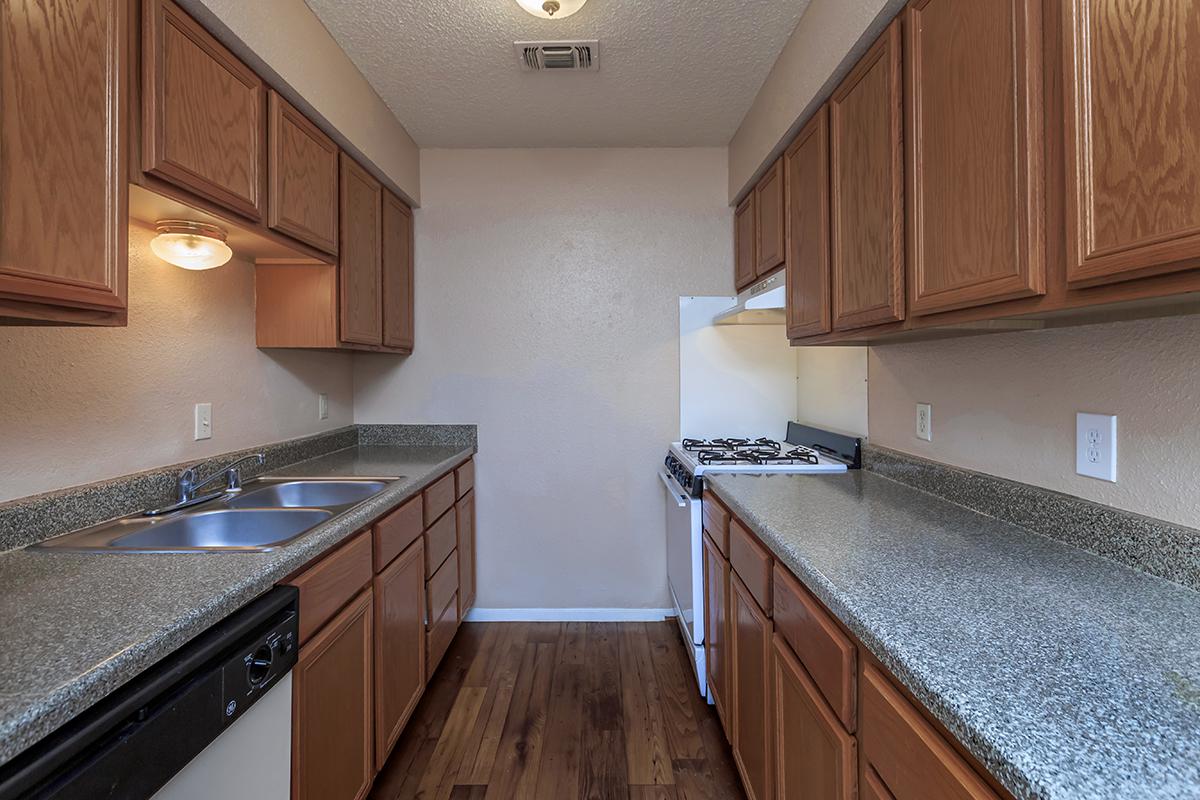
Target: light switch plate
column 1096, row 446
column 203, row 421
column 925, row 421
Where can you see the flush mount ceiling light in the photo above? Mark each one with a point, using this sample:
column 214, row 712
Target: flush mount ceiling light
column 551, row 9
column 190, row 245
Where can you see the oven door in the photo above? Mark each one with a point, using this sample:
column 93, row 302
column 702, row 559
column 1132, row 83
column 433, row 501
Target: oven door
column 685, row 567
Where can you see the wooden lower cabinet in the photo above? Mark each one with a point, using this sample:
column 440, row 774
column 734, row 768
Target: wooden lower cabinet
column 332, row 729
column 903, row 756
column 400, row 612
column 716, row 629
column 815, row 758
column 750, row 652
column 465, row 518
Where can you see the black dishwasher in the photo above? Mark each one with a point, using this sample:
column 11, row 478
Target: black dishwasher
column 135, row 740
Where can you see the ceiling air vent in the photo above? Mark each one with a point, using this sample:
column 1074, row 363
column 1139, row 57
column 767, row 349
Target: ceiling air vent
column 545, row 56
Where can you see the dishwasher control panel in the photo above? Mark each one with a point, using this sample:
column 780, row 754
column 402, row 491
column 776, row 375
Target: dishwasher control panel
column 258, row 663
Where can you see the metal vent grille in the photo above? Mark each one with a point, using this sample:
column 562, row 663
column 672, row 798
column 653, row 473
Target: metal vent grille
column 545, row 56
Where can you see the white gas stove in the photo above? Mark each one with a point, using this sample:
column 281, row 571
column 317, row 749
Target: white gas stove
column 804, row 450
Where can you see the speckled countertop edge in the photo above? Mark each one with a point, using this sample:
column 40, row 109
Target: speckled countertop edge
column 1017, row 767
column 243, row 577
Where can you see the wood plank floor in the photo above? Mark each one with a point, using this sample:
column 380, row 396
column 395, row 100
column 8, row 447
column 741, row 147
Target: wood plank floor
column 556, row 711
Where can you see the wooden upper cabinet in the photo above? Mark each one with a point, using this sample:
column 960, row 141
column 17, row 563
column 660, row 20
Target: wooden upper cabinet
column 63, row 171
column 814, row 755
column 769, row 220
column 974, row 145
column 398, row 306
column 806, row 187
column 359, row 260
column 716, row 629
column 203, row 112
column 745, row 248
column 1132, row 124
column 400, row 613
column 902, row 755
column 332, row 708
column 867, row 189
column 750, row 651
column 302, row 163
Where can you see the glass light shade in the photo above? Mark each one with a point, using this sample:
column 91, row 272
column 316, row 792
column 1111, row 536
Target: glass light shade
column 551, row 9
column 190, row 245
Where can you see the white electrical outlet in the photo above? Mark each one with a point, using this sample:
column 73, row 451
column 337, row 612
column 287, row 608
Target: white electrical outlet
column 925, row 421
column 322, row 406
column 1096, row 446
column 203, row 421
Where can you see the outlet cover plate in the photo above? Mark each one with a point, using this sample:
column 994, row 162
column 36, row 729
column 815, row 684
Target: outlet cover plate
column 925, row 421
column 1096, row 446
column 322, row 406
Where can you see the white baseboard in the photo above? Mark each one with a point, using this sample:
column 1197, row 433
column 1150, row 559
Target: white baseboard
column 569, row 614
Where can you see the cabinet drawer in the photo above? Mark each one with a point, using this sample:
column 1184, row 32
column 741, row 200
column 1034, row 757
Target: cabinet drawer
column 716, row 521
column 331, row 582
column 439, row 496
column 464, row 478
column 395, row 532
column 751, row 561
column 440, row 541
column 440, row 635
column 826, row 652
column 442, row 587
column 904, row 753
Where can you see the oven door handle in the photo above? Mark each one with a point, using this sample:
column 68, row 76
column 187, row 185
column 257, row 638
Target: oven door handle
column 669, row 482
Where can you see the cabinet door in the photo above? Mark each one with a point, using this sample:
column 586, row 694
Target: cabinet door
column 400, row 613
column 331, row 708
column 806, row 187
column 716, row 630
column 750, row 650
column 815, row 759
column 1132, row 139
column 303, row 166
column 769, row 223
column 203, row 112
column 64, row 212
column 867, row 189
column 903, row 757
column 397, row 273
column 745, row 262
column 465, row 517
column 975, row 151
column 359, row 263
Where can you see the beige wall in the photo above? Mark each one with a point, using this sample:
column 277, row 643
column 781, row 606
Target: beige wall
column 1005, row 404
column 83, row 404
column 286, row 38
column 809, row 66
column 548, row 286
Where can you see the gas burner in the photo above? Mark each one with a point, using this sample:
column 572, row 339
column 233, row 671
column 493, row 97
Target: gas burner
column 731, row 445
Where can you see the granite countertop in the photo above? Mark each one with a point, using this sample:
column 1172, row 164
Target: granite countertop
column 75, row 626
column 1065, row 674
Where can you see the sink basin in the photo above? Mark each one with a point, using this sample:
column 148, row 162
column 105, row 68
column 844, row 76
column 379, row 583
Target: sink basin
column 219, row 529
column 307, row 494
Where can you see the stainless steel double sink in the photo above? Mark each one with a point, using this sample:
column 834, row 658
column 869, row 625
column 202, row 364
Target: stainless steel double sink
column 267, row 513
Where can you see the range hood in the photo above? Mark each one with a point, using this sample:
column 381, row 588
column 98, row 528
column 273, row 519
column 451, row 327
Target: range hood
column 761, row 304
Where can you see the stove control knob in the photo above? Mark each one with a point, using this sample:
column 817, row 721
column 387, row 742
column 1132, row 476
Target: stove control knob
column 258, row 666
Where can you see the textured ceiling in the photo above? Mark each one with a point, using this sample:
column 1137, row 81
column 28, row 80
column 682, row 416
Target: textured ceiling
column 672, row 72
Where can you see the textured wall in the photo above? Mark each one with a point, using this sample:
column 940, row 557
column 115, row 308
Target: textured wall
column 82, row 404
column 285, row 37
column 548, row 285
column 1005, row 404
column 825, row 44
column 833, row 388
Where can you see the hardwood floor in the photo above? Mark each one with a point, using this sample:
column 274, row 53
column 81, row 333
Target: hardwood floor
column 555, row 711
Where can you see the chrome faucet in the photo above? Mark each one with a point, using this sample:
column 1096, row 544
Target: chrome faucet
column 188, row 484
